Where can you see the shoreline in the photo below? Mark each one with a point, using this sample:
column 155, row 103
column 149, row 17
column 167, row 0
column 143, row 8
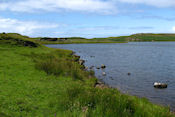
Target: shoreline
column 46, row 75
column 101, row 84
column 50, row 43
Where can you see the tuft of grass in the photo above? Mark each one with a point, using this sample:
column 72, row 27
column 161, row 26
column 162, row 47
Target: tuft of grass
column 61, row 64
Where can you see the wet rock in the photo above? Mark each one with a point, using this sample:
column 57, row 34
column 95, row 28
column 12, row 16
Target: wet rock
column 111, row 78
column 81, row 62
column 103, row 66
column 103, row 73
column 98, row 67
column 160, row 85
column 91, row 67
column 129, row 74
column 100, row 85
column 76, row 56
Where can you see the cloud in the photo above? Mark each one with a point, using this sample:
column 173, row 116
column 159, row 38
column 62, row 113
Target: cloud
column 156, row 17
column 156, row 3
column 23, row 27
column 173, row 28
column 141, row 27
column 98, row 28
column 91, row 6
column 88, row 6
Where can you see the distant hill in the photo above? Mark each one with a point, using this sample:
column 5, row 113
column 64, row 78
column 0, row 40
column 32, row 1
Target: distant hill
column 140, row 37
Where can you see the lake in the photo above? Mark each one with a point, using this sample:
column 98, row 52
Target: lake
column 148, row 62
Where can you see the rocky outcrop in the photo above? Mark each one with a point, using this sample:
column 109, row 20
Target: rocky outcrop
column 29, row 43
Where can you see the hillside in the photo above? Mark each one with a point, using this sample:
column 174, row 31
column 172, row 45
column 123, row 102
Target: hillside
column 44, row 82
column 121, row 39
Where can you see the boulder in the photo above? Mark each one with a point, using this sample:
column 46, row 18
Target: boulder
column 81, row 62
column 100, row 85
column 103, row 66
column 160, row 85
column 103, row 73
column 98, row 67
column 129, row 74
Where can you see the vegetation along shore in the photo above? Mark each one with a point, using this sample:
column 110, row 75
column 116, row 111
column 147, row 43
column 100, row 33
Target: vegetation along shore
column 44, row 82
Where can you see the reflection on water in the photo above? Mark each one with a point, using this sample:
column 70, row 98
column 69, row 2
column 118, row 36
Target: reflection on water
column 148, row 62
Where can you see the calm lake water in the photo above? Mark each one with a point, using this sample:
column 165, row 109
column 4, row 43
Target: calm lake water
column 148, row 62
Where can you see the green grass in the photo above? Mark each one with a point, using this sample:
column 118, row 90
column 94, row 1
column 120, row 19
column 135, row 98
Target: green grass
column 44, row 82
column 142, row 37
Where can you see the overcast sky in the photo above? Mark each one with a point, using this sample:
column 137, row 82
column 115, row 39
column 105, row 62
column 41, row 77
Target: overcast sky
column 87, row 18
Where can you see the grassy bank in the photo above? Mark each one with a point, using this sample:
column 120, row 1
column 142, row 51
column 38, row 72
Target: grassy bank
column 148, row 37
column 43, row 82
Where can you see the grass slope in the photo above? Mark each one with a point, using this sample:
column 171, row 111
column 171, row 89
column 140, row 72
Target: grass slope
column 43, row 82
column 122, row 39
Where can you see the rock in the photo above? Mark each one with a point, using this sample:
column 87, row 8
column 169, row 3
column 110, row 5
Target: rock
column 76, row 56
column 103, row 73
column 86, row 68
column 111, row 78
column 81, row 62
column 129, row 74
column 160, row 85
column 91, row 67
column 100, row 85
column 98, row 67
column 29, row 43
column 92, row 56
column 103, row 66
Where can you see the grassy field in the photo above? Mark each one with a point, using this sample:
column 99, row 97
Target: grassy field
column 36, row 81
column 121, row 39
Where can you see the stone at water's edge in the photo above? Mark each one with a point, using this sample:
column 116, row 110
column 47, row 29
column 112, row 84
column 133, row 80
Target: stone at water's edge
column 104, row 74
column 91, row 67
column 103, row 66
column 160, row 85
column 129, row 74
column 81, row 62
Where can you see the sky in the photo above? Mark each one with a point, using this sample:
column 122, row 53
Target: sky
column 86, row 18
